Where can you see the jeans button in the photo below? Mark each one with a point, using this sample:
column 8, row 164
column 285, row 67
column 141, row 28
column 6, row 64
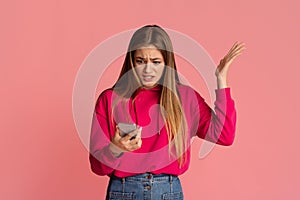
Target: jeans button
column 148, row 176
column 148, row 187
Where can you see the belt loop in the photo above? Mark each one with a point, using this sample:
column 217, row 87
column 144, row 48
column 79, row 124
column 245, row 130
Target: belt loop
column 171, row 183
column 123, row 185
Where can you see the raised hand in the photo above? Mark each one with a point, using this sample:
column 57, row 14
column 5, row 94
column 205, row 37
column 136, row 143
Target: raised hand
column 224, row 65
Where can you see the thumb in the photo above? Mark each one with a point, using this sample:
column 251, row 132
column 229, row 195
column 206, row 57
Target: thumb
column 117, row 133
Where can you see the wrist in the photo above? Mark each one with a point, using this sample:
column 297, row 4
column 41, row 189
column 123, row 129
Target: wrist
column 117, row 152
column 221, row 83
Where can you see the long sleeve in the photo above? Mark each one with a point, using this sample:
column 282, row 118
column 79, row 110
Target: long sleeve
column 217, row 126
column 102, row 161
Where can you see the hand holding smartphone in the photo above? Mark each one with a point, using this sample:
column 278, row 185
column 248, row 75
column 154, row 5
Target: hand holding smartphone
column 126, row 128
column 120, row 145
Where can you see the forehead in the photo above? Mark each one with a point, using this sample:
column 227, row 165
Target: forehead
column 148, row 51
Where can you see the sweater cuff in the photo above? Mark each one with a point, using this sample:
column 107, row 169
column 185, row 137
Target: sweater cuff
column 223, row 94
column 108, row 157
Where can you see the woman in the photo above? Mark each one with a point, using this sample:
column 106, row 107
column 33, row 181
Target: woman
column 145, row 162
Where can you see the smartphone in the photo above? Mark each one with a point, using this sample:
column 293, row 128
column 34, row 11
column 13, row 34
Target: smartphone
column 126, row 128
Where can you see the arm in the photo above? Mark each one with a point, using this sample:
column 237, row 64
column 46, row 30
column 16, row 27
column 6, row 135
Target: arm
column 102, row 160
column 106, row 144
column 217, row 126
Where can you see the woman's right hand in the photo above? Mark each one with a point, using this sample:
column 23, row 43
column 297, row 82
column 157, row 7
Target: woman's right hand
column 120, row 144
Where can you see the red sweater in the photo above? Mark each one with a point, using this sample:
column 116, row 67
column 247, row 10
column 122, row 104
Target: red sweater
column 216, row 126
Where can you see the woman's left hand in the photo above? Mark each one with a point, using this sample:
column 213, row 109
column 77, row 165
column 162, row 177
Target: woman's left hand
column 222, row 69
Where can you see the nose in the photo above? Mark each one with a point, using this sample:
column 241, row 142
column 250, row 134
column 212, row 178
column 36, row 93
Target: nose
column 147, row 67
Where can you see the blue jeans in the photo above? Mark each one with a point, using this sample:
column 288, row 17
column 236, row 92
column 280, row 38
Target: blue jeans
column 145, row 186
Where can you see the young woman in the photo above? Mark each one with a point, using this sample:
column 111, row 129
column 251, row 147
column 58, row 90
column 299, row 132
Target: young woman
column 144, row 161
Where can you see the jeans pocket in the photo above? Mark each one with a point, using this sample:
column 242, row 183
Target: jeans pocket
column 174, row 195
column 121, row 195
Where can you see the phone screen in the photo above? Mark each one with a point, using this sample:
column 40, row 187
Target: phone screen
column 126, row 128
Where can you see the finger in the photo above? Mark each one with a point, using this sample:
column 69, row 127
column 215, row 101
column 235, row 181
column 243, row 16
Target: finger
column 239, row 47
column 140, row 142
column 233, row 47
column 133, row 142
column 135, row 145
column 125, row 139
column 138, row 145
column 124, row 143
column 136, row 140
column 117, row 133
column 131, row 146
column 230, row 60
column 128, row 136
column 233, row 56
column 135, row 133
column 236, row 46
column 237, row 53
column 226, row 66
column 236, row 49
column 139, row 132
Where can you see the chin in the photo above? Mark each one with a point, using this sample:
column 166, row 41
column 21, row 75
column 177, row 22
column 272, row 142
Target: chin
column 149, row 85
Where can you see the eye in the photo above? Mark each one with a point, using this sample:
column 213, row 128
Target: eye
column 139, row 61
column 156, row 62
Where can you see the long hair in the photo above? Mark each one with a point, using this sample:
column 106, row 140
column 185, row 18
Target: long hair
column 170, row 103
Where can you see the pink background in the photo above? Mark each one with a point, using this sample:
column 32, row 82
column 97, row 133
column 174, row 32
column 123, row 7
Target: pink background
column 43, row 43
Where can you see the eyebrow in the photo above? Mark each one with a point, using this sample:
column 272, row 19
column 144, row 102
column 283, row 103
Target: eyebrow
column 139, row 57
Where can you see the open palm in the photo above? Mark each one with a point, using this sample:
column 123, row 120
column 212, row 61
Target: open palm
column 224, row 65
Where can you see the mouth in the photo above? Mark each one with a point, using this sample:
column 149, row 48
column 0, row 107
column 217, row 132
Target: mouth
column 148, row 78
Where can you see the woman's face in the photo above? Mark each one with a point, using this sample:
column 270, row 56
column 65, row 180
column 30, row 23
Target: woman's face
column 149, row 65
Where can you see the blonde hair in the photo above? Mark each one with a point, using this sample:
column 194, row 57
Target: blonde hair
column 171, row 107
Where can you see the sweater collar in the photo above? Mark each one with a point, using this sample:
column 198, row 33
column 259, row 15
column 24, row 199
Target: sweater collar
column 156, row 88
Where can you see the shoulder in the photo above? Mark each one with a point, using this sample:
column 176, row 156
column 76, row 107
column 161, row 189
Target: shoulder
column 104, row 97
column 105, row 94
column 187, row 93
column 186, row 90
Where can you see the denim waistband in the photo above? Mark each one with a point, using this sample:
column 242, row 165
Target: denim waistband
column 145, row 177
